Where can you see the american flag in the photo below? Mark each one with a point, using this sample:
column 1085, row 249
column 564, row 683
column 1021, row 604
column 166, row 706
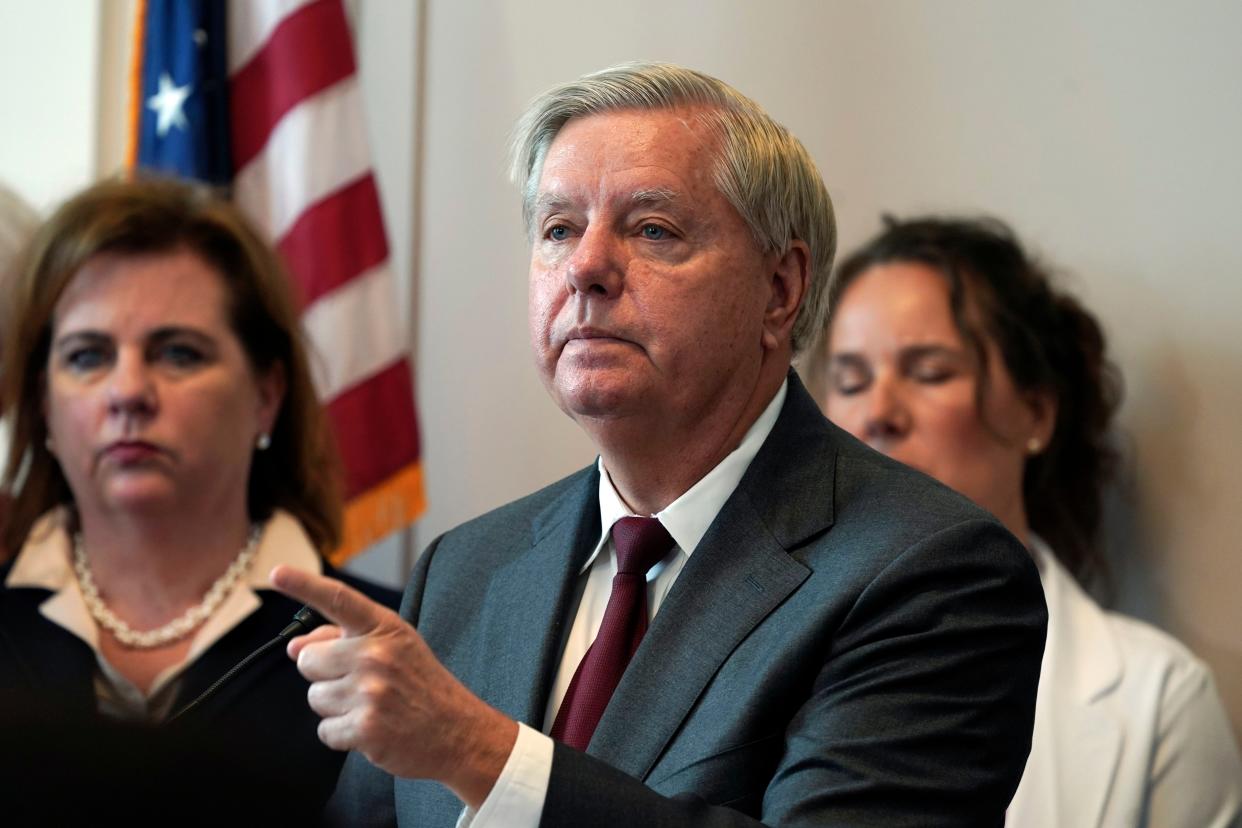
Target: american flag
column 263, row 95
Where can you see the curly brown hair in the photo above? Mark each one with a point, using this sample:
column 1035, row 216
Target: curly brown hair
column 1049, row 343
column 299, row 472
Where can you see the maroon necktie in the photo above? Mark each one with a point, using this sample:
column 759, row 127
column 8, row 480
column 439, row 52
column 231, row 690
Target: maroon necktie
column 641, row 543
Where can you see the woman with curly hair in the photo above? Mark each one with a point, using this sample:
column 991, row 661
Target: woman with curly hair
column 950, row 350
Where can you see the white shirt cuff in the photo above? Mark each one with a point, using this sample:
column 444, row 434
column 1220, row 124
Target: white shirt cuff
column 516, row 800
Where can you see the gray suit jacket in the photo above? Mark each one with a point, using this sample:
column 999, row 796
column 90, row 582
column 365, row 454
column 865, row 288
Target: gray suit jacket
column 850, row 644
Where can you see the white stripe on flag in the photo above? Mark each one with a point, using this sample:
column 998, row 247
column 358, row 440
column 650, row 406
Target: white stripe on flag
column 354, row 331
column 251, row 23
column 317, row 148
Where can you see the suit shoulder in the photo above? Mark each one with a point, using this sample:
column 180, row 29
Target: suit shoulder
column 520, row 516
column 894, row 501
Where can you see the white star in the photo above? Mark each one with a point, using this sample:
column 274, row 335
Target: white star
column 168, row 104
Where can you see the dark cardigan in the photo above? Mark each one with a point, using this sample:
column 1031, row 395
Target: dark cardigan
column 251, row 751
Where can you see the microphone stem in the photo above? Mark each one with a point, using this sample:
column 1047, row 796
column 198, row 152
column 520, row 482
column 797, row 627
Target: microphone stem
column 224, row 679
column 304, row 620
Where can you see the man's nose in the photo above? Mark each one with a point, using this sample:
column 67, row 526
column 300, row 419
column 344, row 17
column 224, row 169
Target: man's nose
column 131, row 388
column 887, row 416
column 596, row 268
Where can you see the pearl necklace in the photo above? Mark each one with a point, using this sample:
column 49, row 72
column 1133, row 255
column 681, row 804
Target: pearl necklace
column 180, row 626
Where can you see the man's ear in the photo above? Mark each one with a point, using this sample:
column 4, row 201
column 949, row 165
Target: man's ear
column 790, row 278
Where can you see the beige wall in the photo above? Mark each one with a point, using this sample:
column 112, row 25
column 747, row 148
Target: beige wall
column 1106, row 132
column 49, row 53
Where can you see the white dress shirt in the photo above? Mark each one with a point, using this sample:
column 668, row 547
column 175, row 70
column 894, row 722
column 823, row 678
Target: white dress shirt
column 516, row 800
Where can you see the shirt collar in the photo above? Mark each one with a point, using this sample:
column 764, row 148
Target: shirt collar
column 46, row 558
column 45, row 562
column 688, row 517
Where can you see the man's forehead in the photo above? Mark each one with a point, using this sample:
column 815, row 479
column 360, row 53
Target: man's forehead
column 647, row 157
column 689, row 117
column 651, row 132
column 559, row 198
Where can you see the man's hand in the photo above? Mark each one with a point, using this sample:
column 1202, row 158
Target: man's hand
column 380, row 691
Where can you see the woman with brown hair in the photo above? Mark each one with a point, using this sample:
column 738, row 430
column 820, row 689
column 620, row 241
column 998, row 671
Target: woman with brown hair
column 167, row 451
column 950, row 350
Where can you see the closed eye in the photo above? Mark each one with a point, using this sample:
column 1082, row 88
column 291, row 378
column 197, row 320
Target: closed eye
column 849, row 383
column 848, row 375
column 932, row 365
column 933, row 375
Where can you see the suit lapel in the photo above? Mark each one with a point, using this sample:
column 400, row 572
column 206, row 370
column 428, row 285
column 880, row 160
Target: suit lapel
column 525, row 608
column 740, row 572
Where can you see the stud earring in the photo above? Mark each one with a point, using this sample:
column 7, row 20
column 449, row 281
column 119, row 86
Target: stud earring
column 264, row 441
column 1034, row 446
column 47, row 444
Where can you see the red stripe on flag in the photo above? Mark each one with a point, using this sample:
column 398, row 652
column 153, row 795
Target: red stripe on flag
column 309, row 51
column 337, row 239
column 375, row 427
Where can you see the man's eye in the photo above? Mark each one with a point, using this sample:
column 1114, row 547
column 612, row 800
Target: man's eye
column 558, row 232
column 654, row 232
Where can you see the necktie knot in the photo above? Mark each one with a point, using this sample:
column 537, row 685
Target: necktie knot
column 641, row 544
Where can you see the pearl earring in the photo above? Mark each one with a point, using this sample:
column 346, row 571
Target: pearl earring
column 264, row 441
column 47, row 444
column 1034, row 446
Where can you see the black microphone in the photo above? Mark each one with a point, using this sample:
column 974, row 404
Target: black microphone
column 304, row 620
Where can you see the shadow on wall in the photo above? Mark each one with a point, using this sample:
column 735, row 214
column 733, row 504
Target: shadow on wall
column 1136, row 581
column 1174, row 523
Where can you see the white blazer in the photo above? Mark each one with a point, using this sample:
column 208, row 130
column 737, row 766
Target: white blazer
column 1129, row 728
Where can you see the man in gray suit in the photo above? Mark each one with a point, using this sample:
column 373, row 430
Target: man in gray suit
column 830, row 638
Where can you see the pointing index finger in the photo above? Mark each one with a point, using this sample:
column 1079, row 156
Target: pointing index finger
column 344, row 606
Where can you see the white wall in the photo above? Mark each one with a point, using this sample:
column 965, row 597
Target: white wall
column 49, row 52
column 1106, row 132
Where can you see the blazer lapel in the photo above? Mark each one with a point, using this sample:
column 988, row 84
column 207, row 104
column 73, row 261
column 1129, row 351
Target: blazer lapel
column 1086, row 668
column 525, row 608
column 740, row 572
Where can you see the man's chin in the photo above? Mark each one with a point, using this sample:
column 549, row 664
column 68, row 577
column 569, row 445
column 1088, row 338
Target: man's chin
column 596, row 410
column 598, row 402
column 596, row 392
